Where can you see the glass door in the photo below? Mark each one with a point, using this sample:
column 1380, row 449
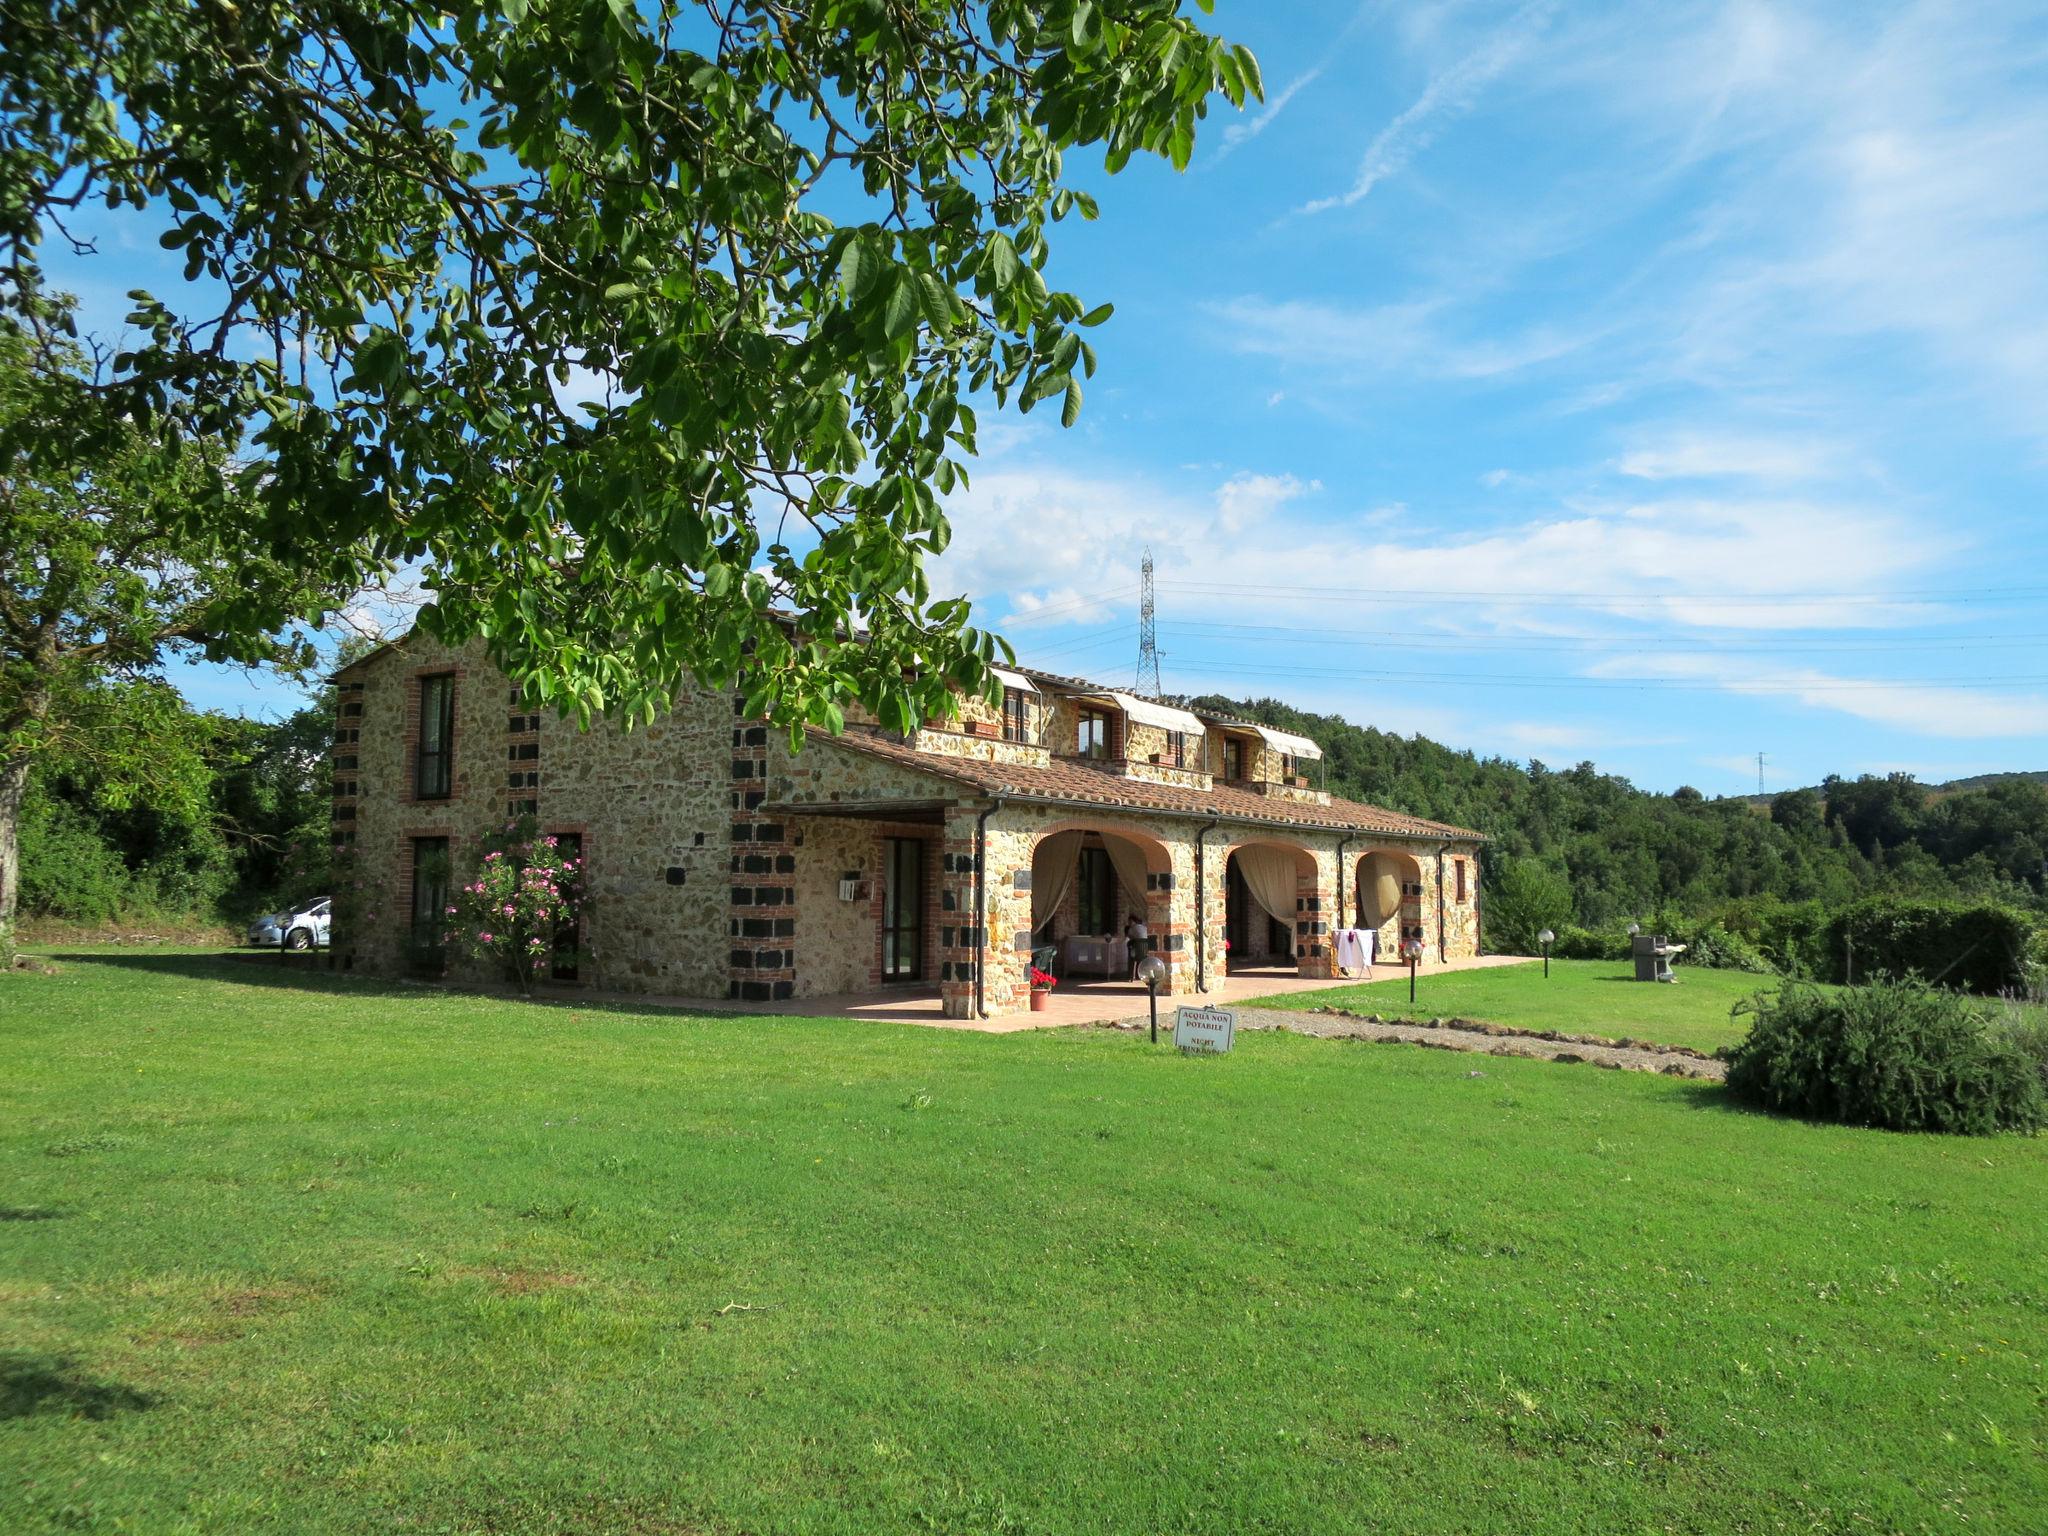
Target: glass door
column 903, row 911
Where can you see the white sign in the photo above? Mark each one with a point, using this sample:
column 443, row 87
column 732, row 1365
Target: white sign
column 1204, row 1029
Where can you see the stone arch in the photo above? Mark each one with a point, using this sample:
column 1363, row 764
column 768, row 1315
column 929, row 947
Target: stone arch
column 1258, row 936
column 1137, row 869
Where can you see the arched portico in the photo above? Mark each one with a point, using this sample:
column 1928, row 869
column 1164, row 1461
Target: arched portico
column 1089, row 879
column 1271, row 906
column 1388, row 898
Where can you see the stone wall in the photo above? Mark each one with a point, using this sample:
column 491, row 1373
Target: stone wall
column 650, row 806
column 981, row 749
column 713, row 862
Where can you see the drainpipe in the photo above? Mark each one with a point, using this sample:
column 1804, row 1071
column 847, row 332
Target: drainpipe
column 1342, row 917
column 981, row 900
column 1202, row 908
column 1443, row 951
column 1478, row 908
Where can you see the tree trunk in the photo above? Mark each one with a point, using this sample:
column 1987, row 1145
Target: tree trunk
column 13, row 787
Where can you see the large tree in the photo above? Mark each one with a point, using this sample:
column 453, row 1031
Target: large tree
column 636, row 320
column 121, row 545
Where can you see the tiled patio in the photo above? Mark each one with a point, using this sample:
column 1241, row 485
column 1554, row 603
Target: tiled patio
column 1087, row 1002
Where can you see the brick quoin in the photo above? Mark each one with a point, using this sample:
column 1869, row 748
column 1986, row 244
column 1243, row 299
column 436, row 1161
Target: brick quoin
column 761, row 960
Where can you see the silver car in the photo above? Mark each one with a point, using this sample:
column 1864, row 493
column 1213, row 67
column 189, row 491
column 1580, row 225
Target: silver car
column 303, row 927
column 308, row 925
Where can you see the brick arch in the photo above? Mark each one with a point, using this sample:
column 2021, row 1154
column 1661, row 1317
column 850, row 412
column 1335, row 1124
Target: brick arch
column 1162, row 917
column 1371, row 867
column 1309, row 924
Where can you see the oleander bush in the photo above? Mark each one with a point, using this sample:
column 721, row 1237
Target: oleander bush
column 1898, row 1055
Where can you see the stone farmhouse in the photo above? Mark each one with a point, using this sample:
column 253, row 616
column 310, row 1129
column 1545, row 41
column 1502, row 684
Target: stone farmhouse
column 720, row 865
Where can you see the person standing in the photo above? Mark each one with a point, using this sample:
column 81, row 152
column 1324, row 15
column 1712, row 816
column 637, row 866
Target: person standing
column 1137, row 942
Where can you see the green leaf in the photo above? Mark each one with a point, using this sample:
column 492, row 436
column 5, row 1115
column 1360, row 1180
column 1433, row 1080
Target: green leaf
column 851, row 262
column 1071, row 411
column 1043, row 387
column 1097, row 315
column 900, row 309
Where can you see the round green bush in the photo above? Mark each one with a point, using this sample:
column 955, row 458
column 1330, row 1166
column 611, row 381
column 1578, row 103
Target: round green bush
column 1897, row 1055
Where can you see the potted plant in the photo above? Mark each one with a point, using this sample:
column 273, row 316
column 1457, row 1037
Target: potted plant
column 1042, row 983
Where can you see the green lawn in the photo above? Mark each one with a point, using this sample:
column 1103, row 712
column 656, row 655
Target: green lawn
column 1591, row 997
column 283, row 1254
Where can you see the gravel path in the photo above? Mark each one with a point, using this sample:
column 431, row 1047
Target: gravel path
column 1486, row 1039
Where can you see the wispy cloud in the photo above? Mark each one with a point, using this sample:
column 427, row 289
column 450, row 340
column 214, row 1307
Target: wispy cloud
column 1449, row 94
column 1250, row 128
column 1691, row 454
column 1928, row 708
column 1404, row 338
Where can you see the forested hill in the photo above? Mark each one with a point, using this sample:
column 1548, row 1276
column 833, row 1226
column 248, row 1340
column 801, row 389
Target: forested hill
column 1626, row 851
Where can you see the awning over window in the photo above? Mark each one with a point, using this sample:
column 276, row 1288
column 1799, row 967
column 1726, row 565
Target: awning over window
column 1288, row 742
column 1016, row 680
column 1165, row 716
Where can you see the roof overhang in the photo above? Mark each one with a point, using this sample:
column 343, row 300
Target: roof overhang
column 1016, row 680
column 1145, row 712
column 1288, row 742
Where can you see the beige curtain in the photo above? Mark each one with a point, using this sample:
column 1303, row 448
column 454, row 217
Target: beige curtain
column 1379, row 889
column 1128, row 859
column 1052, row 874
column 1271, row 876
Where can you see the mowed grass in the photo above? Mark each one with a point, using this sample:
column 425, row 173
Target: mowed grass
column 1590, row 997
column 284, row 1254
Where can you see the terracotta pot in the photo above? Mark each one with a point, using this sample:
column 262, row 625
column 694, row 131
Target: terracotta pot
column 1038, row 997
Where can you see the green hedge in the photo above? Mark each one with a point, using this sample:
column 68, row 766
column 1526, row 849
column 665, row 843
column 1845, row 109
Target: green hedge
column 1977, row 947
column 1902, row 1056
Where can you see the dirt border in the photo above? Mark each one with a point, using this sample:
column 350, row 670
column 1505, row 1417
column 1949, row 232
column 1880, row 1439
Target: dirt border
column 1483, row 1038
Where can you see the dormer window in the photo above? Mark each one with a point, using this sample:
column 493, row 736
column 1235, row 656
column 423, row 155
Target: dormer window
column 1092, row 731
column 1016, row 715
column 1233, row 759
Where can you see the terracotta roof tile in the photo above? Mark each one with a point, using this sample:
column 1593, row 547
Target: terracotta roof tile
column 1072, row 779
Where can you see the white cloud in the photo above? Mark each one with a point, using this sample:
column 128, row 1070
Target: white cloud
column 1694, row 455
column 1450, row 93
column 1414, row 338
column 1250, row 128
column 1247, row 500
column 1922, row 708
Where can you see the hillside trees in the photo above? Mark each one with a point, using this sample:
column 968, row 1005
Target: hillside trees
column 633, row 321
column 121, row 544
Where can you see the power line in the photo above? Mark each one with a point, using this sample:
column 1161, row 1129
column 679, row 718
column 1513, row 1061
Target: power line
column 1404, row 640
column 1541, row 599
column 1717, row 685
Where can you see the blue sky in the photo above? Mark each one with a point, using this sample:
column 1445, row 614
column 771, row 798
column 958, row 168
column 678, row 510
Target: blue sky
column 1650, row 384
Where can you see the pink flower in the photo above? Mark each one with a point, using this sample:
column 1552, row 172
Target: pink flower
column 483, row 938
column 449, row 913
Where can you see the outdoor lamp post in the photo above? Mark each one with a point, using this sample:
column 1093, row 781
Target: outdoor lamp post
column 1413, row 950
column 1544, row 938
column 1634, row 929
column 1152, row 971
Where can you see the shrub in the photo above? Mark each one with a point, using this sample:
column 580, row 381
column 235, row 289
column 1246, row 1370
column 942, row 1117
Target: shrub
column 1977, row 947
column 1523, row 897
column 1576, row 943
column 1899, row 1055
column 1791, row 935
column 67, row 869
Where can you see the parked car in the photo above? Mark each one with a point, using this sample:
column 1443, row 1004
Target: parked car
column 308, row 925
column 267, row 930
column 302, row 927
